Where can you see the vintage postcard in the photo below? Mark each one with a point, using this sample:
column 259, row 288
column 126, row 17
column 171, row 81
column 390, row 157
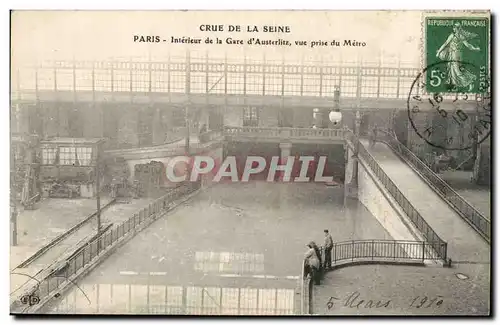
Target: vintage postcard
column 250, row 163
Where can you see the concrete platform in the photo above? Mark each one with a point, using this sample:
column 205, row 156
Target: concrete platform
column 400, row 290
column 51, row 218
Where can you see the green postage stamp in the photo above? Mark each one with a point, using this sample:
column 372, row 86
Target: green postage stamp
column 457, row 54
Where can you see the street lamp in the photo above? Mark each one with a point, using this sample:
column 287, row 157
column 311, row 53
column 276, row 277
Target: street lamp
column 316, row 117
column 335, row 115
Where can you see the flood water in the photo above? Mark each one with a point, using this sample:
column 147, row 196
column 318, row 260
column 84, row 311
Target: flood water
column 233, row 249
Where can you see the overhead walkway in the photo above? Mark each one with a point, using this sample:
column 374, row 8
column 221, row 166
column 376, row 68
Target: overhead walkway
column 464, row 244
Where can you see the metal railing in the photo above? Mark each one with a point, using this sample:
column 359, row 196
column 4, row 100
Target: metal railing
column 176, row 75
column 439, row 245
column 100, row 245
column 375, row 250
column 384, row 250
column 478, row 221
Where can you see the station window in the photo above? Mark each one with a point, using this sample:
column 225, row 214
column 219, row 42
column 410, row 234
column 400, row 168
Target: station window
column 250, row 116
column 67, row 156
column 84, row 156
column 49, row 156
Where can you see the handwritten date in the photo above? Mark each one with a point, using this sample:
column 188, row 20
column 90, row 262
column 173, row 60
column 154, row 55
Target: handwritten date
column 355, row 301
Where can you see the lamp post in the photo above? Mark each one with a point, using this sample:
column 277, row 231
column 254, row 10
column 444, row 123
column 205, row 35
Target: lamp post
column 335, row 115
column 98, row 190
column 357, row 124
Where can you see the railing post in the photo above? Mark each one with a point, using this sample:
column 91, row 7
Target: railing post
column 352, row 252
column 423, row 251
column 335, row 253
column 373, row 249
column 394, row 245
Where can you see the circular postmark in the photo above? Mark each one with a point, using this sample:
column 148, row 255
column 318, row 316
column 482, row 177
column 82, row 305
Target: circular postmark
column 453, row 120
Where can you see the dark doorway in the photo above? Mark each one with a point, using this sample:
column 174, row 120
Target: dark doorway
column 75, row 123
column 400, row 126
column 364, row 128
column 285, row 118
column 215, row 119
column 145, row 124
column 111, row 119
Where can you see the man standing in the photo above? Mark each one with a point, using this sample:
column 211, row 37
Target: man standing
column 328, row 249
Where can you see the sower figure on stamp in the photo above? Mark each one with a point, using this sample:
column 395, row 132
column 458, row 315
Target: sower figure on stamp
column 328, row 250
column 458, row 75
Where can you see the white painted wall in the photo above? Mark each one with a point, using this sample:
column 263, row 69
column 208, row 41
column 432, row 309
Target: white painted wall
column 377, row 203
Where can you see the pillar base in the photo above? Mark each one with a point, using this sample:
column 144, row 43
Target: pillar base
column 285, row 148
column 351, row 191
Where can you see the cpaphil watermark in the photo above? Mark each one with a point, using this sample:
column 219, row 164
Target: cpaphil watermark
column 286, row 168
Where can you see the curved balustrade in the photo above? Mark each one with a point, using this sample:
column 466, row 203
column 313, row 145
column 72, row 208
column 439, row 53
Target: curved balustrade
column 384, row 250
column 316, row 133
column 210, row 136
column 252, row 131
column 284, row 132
column 479, row 222
column 268, row 133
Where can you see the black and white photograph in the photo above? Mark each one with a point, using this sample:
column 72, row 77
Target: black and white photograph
column 250, row 163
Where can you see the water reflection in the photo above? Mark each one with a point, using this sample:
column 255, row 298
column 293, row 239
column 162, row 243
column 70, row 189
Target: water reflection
column 160, row 299
column 229, row 262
